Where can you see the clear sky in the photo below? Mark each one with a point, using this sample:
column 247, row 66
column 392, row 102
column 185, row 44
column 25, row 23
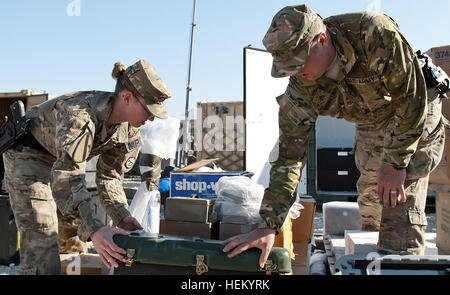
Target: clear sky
column 62, row 46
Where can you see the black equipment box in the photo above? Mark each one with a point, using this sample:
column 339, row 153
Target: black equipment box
column 336, row 170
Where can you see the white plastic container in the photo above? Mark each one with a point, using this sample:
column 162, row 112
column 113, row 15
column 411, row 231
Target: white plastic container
column 145, row 207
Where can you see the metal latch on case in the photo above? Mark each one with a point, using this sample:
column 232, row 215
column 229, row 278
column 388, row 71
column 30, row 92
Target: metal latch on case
column 130, row 257
column 269, row 267
column 201, row 266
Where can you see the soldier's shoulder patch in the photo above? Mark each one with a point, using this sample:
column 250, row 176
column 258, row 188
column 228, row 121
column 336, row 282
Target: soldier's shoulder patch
column 81, row 147
column 130, row 162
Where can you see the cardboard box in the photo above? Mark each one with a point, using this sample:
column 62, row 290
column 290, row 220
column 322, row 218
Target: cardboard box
column 283, row 239
column 230, row 229
column 303, row 227
column 201, row 184
column 441, row 58
column 188, row 209
column 443, row 221
column 186, row 183
column 441, row 174
column 302, row 255
column 82, row 264
column 205, row 230
column 300, row 270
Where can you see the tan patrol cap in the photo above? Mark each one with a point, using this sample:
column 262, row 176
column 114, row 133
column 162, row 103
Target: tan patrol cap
column 146, row 83
column 289, row 36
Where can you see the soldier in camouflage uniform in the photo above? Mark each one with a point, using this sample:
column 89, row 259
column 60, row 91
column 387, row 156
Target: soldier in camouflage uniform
column 45, row 171
column 358, row 67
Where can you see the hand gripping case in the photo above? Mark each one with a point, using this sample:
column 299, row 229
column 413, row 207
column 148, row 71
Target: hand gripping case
column 153, row 254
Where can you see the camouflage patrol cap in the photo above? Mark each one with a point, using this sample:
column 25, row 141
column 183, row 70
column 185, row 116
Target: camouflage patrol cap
column 145, row 82
column 289, row 36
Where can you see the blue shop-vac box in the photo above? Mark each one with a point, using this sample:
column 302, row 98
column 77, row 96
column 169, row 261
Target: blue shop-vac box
column 192, row 183
column 185, row 183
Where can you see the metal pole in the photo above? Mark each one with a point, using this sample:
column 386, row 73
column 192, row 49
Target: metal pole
column 188, row 90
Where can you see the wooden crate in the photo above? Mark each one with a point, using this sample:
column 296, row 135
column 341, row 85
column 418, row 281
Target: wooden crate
column 29, row 98
column 220, row 133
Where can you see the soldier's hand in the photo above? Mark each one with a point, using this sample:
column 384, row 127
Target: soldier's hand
column 106, row 248
column 129, row 223
column 391, row 185
column 262, row 239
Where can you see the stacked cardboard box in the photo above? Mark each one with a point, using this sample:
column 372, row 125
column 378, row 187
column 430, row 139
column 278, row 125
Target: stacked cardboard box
column 188, row 217
column 283, row 239
column 443, row 221
column 302, row 233
column 441, row 175
column 441, row 58
column 204, row 230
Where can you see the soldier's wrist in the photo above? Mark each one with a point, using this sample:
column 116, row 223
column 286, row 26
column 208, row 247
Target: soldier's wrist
column 119, row 215
column 396, row 167
column 265, row 227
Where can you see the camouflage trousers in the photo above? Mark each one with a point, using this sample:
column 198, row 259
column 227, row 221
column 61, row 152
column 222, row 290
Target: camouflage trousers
column 27, row 180
column 401, row 229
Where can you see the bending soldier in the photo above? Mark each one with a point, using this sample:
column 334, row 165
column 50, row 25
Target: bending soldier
column 45, row 170
column 358, row 67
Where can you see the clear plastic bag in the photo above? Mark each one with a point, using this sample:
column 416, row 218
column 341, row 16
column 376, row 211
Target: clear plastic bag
column 145, row 207
column 294, row 211
column 238, row 200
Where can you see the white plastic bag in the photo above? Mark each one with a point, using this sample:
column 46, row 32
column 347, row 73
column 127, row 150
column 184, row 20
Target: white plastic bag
column 145, row 207
column 159, row 137
column 294, row 211
column 238, row 200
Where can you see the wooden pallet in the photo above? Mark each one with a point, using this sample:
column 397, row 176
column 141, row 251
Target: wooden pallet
column 334, row 248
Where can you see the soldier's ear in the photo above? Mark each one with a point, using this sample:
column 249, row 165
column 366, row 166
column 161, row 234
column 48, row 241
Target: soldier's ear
column 322, row 38
column 126, row 96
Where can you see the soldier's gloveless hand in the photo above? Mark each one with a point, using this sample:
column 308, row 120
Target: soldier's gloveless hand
column 129, row 223
column 391, row 185
column 106, row 248
column 262, row 239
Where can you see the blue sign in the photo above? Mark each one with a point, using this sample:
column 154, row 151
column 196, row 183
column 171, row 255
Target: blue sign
column 201, row 184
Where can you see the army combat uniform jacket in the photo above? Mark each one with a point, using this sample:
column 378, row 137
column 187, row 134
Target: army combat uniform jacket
column 379, row 83
column 72, row 128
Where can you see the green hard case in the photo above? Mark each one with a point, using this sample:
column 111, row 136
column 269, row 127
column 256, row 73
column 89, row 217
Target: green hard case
column 166, row 254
